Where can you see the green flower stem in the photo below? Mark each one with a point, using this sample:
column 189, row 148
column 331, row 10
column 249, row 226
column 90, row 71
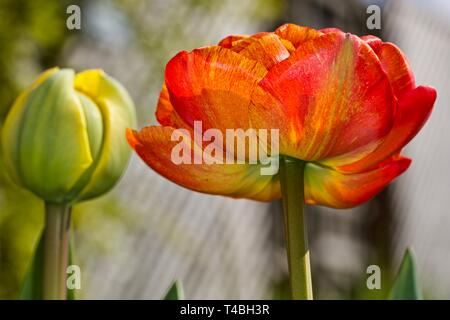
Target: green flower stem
column 292, row 189
column 56, row 250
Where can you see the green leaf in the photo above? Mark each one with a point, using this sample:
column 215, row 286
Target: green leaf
column 71, row 292
column 32, row 286
column 406, row 285
column 175, row 292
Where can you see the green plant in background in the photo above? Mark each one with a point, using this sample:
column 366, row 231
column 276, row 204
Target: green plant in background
column 406, row 285
column 63, row 141
column 175, row 292
column 35, row 34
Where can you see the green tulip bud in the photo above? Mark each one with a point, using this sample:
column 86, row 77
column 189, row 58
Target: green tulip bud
column 63, row 138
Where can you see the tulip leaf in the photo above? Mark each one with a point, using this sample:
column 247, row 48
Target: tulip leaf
column 175, row 292
column 406, row 285
column 71, row 292
column 32, row 286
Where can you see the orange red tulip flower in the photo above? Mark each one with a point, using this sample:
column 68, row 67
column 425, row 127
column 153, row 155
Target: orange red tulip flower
column 345, row 105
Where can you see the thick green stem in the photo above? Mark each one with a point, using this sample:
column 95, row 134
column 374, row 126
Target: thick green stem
column 292, row 189
column 56, row 250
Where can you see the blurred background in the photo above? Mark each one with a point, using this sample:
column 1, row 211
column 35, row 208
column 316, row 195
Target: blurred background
column 132, row 243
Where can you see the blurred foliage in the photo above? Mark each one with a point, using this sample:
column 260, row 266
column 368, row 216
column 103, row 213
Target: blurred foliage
column 32, row 34
column 175, row 292
column 406, row 285
column 174, row 27
column 21, row 219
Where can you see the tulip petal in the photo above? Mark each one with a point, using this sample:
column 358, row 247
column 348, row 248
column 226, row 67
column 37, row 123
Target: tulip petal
column 94, row 124
column 394, row 63
column 296, row 34
column 239, row 42
column 267, row 50
column 154, row 145
column 165, row 113
column 118, row 113
column 374, row 42
column 413, row 111
column 336, row 98
column 397, row 68
column 243, row 43
column 325, row 186
column 11, row 128
column 331, row 30
column 213, row 85
column 228, row 41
